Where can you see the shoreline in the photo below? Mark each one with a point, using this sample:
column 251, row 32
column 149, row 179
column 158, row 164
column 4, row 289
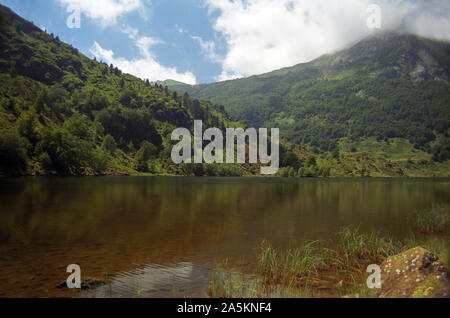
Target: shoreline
column 228, row 177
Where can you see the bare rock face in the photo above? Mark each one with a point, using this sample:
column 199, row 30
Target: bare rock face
column 414, row 273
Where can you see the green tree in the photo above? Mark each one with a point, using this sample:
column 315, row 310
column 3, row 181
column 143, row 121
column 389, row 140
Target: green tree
column 335, row 153
column 291, row 172
column 301, row 172
column 131, row 147
column 196, row 110
column 284, row 172
column 311, row 162
column 144, row 154
column 109, row 144
column 45, row 161
column 13, row 158
column 28, row 123
column 79, row 125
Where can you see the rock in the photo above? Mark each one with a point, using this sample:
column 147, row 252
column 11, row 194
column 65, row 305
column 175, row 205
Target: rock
column 425, row 275
column 86, row 284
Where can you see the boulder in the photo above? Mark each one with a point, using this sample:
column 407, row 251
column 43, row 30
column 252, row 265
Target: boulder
column 414, row 273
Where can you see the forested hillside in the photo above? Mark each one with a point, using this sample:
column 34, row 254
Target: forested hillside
column 384, row 87
column 63, row 113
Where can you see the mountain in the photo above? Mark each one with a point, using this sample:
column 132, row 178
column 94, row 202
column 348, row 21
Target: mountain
column 384, row 87
column 175, row 85
column 63, row 113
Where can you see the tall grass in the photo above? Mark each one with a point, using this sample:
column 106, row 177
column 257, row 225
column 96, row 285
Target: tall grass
column 354, row 246
column 432, row 221
column 219, row 287
column 293, row 265
column 296, row 272
column 229, row 284
column 268, row 261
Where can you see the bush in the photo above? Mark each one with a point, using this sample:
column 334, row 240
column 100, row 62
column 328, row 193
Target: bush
column 80, row 126
column 140, row 163
column 13, row 158
column 69, row 154
column 230, row 170
column 430, row 221
column 193, row 169
column 311, row 161
column 146, row 152
column 109, row 144
column 45, row 161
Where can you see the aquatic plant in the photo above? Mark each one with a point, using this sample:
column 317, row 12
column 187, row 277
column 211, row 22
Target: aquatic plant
column 431, row 221
column 300, row 271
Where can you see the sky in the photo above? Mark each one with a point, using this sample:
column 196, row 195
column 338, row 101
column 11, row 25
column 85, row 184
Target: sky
column 203, row 41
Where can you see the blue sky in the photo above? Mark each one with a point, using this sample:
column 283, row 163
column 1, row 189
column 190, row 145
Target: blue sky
column 201, row 41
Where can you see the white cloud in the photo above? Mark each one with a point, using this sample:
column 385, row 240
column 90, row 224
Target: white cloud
column 426, row 18
column 181, row 30
column 131, row 32
column 208, row 49
column 105, row 11
column 145, row 67
column 264, row 35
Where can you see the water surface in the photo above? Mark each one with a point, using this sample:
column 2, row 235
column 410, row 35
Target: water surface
column 160, row 236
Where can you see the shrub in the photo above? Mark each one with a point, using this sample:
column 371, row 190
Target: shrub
column 146, row 152
column 13, row 158
column 109, row 144
column 435, row 220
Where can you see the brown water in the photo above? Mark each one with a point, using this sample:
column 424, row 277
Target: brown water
column 160, row 236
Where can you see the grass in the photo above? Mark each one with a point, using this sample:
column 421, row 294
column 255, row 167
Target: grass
column 297, row 271
column 355, row 246
column 292, row 265
column 428, row 289
column 314, row 269
column 226, row 284
column 436, row 220
column 358, row 287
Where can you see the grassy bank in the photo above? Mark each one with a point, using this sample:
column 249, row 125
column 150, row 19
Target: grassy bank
column 326, row 269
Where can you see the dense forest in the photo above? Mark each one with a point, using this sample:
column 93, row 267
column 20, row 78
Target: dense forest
column 386, row 86
column 62, row 113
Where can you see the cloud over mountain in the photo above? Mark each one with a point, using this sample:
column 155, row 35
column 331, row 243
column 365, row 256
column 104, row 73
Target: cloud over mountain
column 263, row 35
column 145, row 67
column 105, row 11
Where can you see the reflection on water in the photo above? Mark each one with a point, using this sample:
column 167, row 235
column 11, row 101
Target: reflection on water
column 155, row 281
column 154, row 234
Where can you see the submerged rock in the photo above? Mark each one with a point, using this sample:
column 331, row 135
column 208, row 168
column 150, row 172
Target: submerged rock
column 414, row 273
column 86, row 284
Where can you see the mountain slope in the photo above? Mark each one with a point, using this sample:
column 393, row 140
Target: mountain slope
column 386, row 86
column 63, row 113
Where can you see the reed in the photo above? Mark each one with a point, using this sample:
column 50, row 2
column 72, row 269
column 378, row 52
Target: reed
column 436, row 220
column 226, row 284
column 297, row 272
column 355, row 247
column 291, row 266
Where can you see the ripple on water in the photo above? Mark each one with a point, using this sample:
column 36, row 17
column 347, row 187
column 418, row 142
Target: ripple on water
column 155, row 280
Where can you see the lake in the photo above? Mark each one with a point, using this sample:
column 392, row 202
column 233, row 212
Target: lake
column 160, row 236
